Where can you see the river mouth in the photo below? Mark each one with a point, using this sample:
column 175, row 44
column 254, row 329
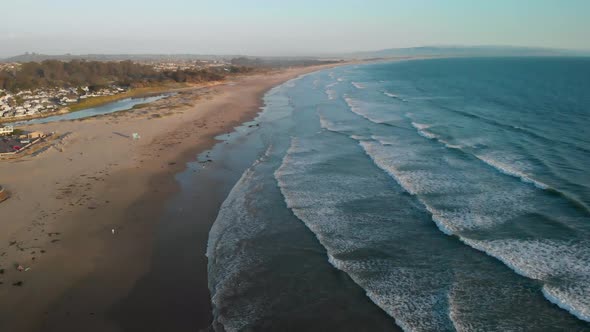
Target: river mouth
column 116, row 106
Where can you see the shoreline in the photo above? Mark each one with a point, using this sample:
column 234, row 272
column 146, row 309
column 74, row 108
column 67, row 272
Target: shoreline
column 75, row 291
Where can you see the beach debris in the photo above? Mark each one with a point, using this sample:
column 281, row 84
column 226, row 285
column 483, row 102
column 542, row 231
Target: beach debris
column 113, row 231
column 20, row 268
column 135, row 136
column 27, row 269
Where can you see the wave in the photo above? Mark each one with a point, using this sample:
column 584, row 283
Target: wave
column 316, row 83
column 413, row 298
column 331, row 94
column 355, row 108
column 514, row 128
column 512, row 171
column 479, row 211
column 508, row 169
column 357, row 85
column 533, row 259
column 225, row 264
column 331, row 126
column 422, row 130
column 368, row 245
column 394, row 96
column 364, row 110
column 563, row 267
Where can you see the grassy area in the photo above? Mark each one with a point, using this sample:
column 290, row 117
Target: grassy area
column 138, row 92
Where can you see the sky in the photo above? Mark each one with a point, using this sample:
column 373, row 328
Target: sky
column 285, row 27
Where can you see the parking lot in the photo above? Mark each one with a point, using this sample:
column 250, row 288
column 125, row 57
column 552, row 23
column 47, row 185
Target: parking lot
column 8, row 144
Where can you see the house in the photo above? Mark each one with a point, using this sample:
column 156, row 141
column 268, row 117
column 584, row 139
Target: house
column 6, row 130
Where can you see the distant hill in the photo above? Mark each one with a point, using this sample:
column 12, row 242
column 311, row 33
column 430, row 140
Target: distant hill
column 427, row 51
column 36, row 57
column 464, row 51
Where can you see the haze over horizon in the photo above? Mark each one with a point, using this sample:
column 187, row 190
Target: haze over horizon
column 263, row 27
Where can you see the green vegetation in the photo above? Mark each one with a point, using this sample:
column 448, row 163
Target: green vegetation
column 95, row 74
column 17, row 132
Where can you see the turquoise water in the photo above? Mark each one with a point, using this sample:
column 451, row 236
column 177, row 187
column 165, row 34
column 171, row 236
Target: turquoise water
column 426, row 195
column 120, row 105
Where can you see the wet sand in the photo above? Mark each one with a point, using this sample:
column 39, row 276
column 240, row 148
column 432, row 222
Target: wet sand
column 85, row 216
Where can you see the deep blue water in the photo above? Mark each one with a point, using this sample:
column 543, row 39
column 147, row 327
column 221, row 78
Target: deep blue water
column 426, row 195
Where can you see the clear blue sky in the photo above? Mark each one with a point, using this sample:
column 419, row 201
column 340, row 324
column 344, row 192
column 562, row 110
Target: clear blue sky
column 283, row 27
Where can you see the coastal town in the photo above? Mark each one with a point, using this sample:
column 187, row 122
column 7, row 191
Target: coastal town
column 40, row 101
column 43, row 101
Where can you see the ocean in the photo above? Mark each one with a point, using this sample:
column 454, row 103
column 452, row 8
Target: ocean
column 420, row 195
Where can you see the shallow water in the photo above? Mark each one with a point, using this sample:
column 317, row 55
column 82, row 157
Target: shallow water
column 446, row 194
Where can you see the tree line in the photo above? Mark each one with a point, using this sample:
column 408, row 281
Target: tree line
column 96, row 74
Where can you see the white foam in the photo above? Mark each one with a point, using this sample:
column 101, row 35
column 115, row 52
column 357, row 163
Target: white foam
column 421, row 126
column 331, row 94
column 392, row 95
column 327, row 124
column 364, row 110
column 358, row 85
column 411, row 306
column 355, row 108
column 226, row 265
column 316, row 84
column 422, row 130
column 572, row 298
column 233, row 223
column 511, row 170
column 564, row 267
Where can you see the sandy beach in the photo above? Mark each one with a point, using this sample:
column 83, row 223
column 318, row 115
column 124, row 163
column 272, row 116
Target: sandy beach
column 83, row 212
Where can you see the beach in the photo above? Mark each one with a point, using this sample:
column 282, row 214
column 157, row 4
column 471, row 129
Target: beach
column 83, row 212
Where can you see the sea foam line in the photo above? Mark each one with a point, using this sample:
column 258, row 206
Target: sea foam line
column 580, row 313
column 358, row 85
column 394, row 96
column 505, row 169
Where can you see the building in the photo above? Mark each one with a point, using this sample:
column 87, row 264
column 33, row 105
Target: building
column 6, row 130
column 35, row 134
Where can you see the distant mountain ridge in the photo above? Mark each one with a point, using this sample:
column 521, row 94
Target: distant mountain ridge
column 427, row 51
